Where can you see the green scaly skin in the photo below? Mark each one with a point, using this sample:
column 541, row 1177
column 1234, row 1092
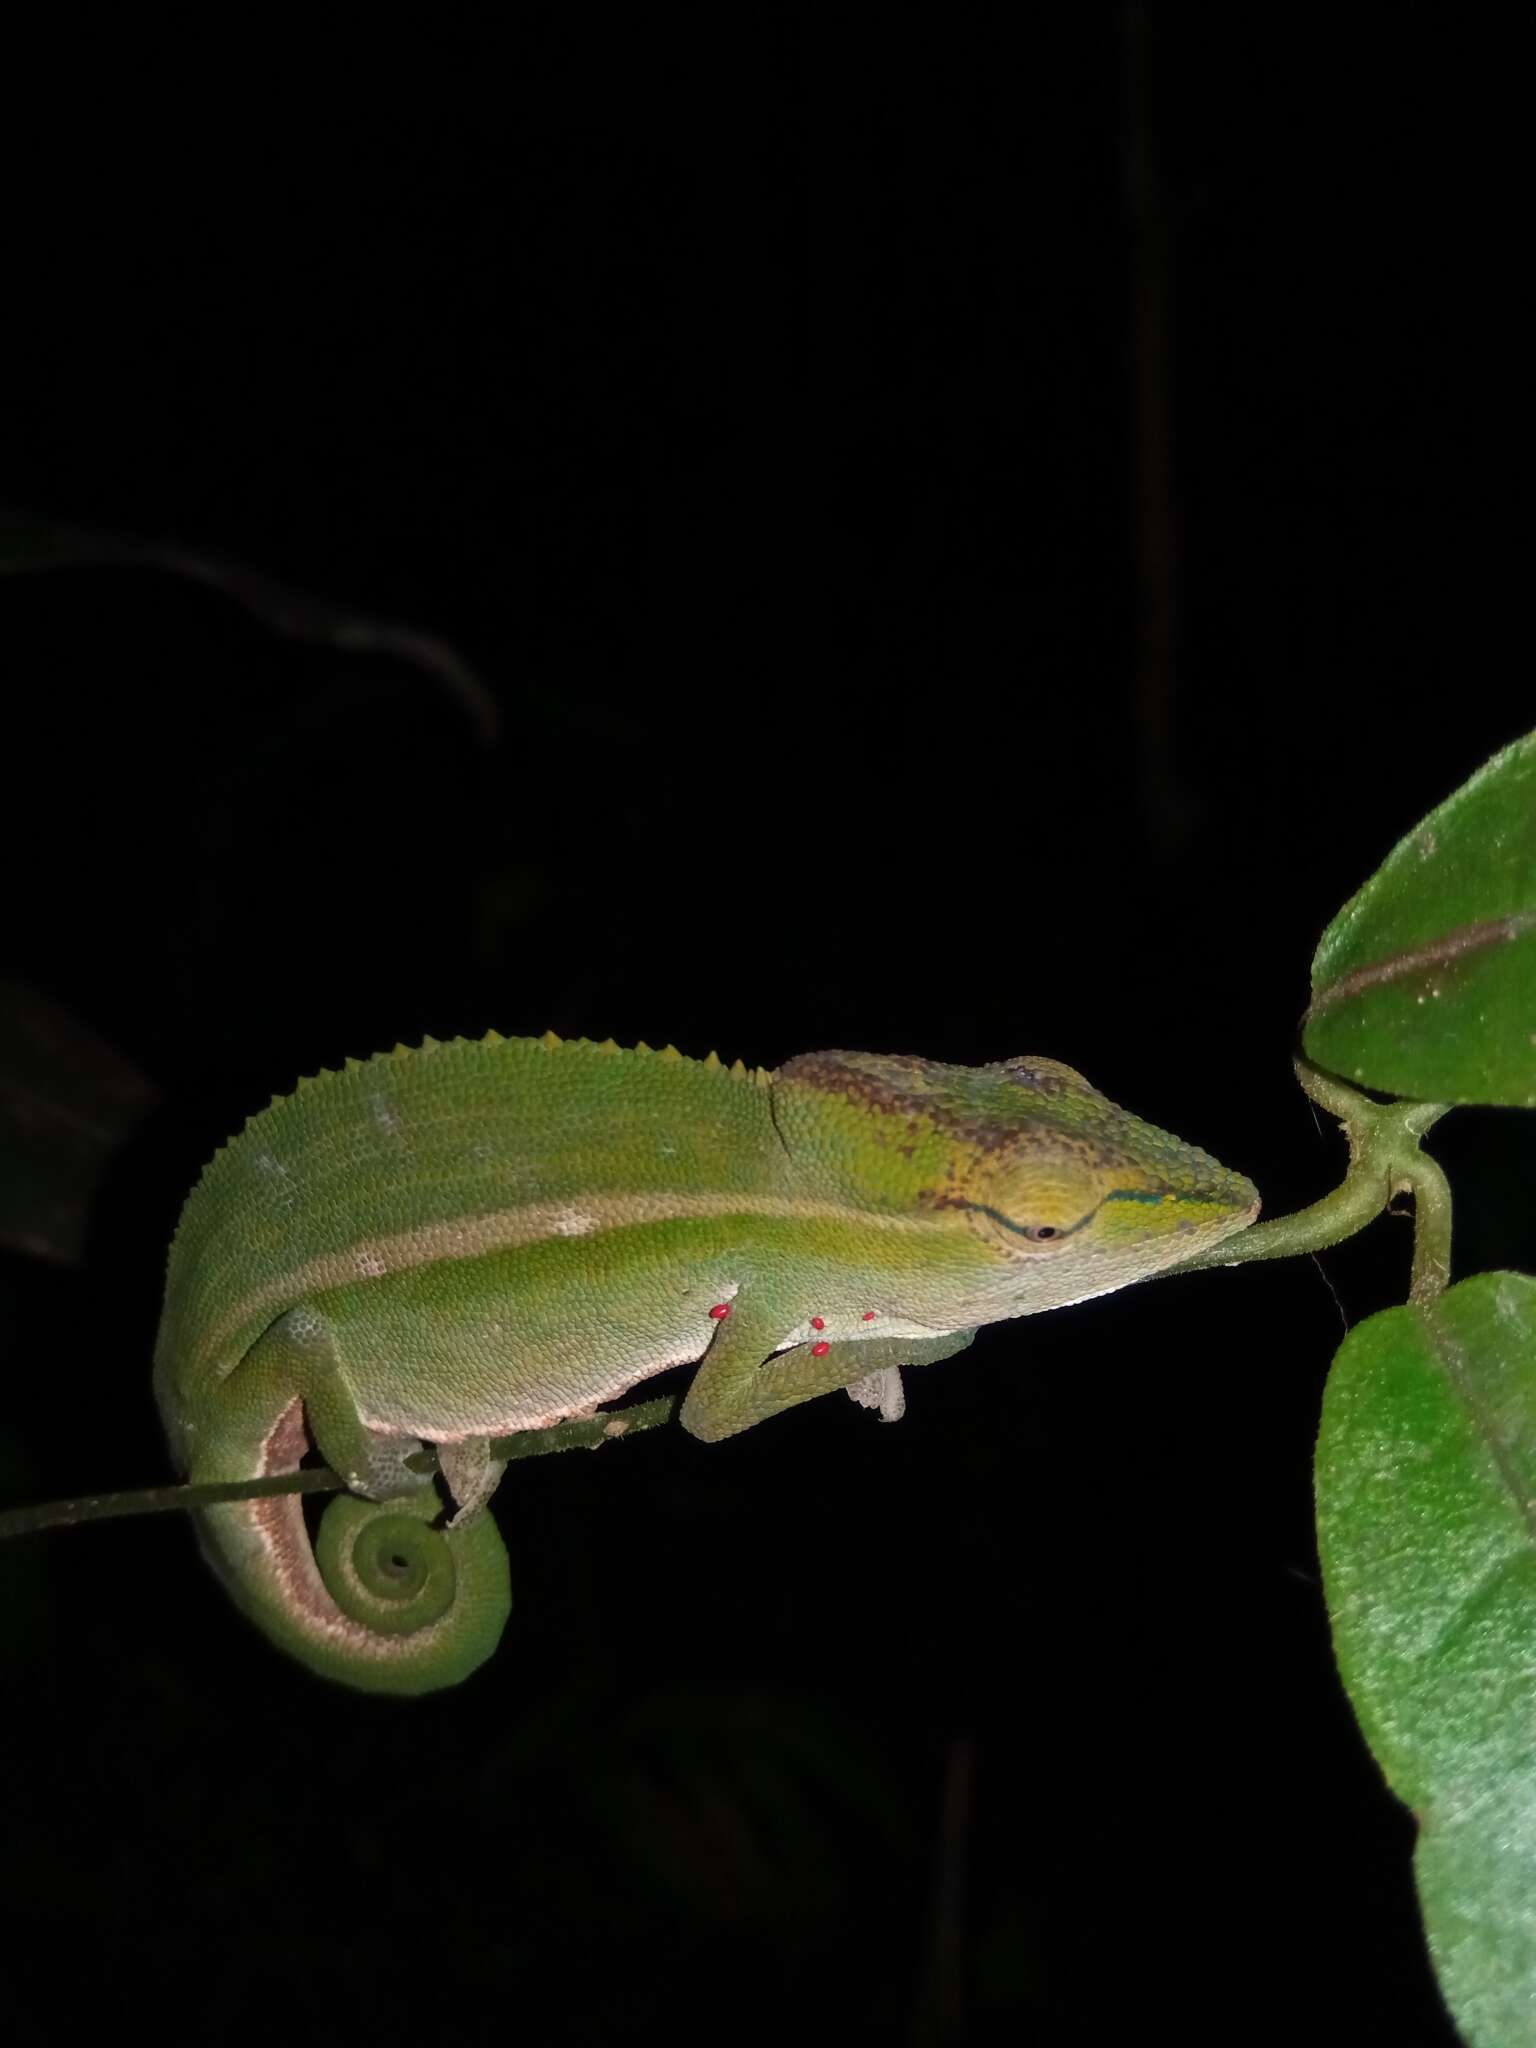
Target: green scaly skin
column 457, row 1242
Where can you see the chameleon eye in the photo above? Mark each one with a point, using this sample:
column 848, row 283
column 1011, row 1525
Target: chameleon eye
column 1041, row 1236
column 1037, row 1216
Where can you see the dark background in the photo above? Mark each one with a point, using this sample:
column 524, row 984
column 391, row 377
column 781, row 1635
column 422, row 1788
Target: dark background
column 972, row 541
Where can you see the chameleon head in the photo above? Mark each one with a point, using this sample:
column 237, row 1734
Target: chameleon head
column 1068, row 1194
column 1078, row 1195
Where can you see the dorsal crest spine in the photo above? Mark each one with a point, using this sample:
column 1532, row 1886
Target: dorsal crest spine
column 550, row 1042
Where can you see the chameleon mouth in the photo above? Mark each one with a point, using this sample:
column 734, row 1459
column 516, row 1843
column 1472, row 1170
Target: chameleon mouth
column 1212, row 1215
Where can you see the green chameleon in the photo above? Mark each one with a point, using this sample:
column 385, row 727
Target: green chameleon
column 455, row 1243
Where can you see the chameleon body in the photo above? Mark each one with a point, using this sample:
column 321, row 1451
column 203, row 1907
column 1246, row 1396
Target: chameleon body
column 451, row 1243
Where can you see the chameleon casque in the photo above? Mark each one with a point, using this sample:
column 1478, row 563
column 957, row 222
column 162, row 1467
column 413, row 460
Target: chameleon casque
column 452, row 1243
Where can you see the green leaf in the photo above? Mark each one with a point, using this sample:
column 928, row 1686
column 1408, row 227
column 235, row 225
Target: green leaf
column 1426, row 1512
column 1425, row 982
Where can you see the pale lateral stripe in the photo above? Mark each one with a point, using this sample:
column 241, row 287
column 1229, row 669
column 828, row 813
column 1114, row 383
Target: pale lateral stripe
column 505, row 1229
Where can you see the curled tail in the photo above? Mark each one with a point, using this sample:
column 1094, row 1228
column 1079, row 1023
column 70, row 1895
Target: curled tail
column 384, row 1599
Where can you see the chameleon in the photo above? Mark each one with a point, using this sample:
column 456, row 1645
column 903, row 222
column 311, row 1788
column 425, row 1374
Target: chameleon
column 449, row 1243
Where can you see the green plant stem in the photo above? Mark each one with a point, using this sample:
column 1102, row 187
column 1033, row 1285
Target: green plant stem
column 586, row 1434
column 1385, row 1160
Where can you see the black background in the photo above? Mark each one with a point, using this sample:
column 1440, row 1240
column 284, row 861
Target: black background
column 977, row 540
